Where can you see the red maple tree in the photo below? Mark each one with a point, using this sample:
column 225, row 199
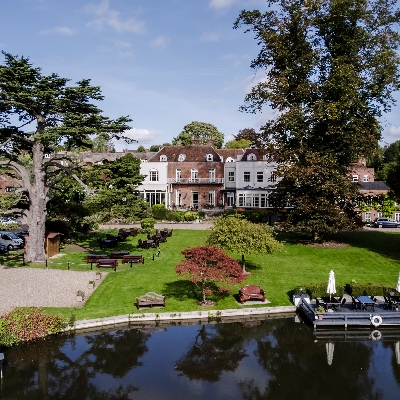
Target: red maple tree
column 210, row 268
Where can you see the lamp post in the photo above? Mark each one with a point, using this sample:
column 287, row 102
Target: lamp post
column 1, row 365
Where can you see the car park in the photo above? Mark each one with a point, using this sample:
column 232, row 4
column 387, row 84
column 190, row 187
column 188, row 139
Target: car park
column 386, row 222
column 11, row 240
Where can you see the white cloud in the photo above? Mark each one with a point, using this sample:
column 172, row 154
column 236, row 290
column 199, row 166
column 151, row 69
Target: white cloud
column 104, row 16
column 62, row 30
column 142, row 135
column 394, row 130
column 160, row 41
column 219, row 4
column 210, row 37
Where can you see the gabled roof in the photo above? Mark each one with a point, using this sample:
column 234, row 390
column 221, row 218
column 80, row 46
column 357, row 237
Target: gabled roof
column 194, row 153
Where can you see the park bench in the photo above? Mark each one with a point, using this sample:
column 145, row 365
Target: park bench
column 150, row 299
column 107, row 263
column 119, row 254
column 251, row 292
column 93, row 258
column 132, row 258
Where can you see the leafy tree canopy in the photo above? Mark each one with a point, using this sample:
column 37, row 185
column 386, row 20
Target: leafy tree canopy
column 236, row 234
column 209, row 267
column 60, row 114
column 102, row 144
column 238, row 144
column 203, row 131
column 330, row 70
column 141, row 149
column 155, row 147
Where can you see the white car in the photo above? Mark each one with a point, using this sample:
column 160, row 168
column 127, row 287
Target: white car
column 11, row 240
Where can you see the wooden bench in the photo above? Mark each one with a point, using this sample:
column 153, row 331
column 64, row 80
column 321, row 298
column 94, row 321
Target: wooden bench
column 251, row 292
column 133, row 258
column 107, row 263
column 93, row 258
column 119, row 254
column 150, row 299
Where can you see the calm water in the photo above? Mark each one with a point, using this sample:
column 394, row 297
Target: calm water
column 270, row 359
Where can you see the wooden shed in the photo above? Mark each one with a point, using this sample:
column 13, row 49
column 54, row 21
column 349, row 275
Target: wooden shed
column 52, row 244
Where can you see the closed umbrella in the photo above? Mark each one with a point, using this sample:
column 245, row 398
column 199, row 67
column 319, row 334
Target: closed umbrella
column 329, row 352
column 398, row 284
column 331, row 289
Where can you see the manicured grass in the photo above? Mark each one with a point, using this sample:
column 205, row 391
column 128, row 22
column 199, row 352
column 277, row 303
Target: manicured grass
column 372, row 256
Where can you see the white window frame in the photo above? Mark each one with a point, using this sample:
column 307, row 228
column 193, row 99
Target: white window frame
column 260, row 174
column 153, row 175
column 194, row 175
column 231, row 176
column 210, row 157
column 181, row 157
column 367, row 217
column 366, row 178
column 211, row 197
column 355, row 178
column 211, row 175
column 178, row 175
column 163, row 158
column 246, row 176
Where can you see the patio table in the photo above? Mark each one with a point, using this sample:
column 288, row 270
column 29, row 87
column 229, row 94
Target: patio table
column 366, row 302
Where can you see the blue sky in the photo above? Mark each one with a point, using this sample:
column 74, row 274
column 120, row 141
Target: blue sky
column 165, row 63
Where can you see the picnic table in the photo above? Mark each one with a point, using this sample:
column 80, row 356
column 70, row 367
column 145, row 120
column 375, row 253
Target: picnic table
column 132, row 258
column 93, row 258
column 107, row 263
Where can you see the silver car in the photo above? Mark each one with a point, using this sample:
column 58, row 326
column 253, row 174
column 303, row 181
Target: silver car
column 385, row 222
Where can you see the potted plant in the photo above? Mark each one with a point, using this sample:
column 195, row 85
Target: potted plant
column 320, row 312
column 98, row 275
column 80, row 295
column 91, row 285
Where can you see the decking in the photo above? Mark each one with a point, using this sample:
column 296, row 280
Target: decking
column 347, row 316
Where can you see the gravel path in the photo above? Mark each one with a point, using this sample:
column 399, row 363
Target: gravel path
column 25, row 287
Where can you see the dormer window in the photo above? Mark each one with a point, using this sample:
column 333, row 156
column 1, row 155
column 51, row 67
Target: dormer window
column 163, row 158
column 181, row 157
column 209, row 157
column 47, row 155
column 251, row 157
column 230, row 159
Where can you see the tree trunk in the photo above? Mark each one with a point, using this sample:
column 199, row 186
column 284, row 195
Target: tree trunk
column 244, row 264
column 36, row 214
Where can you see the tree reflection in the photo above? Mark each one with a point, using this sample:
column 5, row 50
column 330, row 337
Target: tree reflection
column 216, row 348
column 48, row 370
column 288, row 354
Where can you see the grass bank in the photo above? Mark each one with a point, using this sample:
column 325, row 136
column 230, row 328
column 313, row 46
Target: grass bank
column 370, row 257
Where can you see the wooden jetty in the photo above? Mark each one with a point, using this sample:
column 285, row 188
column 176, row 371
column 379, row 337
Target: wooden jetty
column 347, row 316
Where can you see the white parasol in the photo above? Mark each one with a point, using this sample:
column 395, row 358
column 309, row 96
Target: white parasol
column 398, row 284
column 331, row 289
column 329, row 352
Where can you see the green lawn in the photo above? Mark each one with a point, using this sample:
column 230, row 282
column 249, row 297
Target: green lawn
column 368, row 257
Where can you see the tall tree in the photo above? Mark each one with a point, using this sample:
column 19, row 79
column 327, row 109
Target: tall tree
column 331, row 67
column 60, row 114
column 201, row 130
column 234, row 233
column 115, row 190
column 102, row 144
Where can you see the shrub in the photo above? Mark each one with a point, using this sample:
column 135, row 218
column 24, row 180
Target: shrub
column 25, row 324
column 147, row 225
column 191, row 215
column 318, row 289
column 369, row 289
column 159, row 211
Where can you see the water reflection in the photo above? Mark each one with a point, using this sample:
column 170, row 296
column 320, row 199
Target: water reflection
column 268, row 359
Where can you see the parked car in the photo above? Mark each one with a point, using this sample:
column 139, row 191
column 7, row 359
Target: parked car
column 9, row 220
column 3, row 249
column 385, row 222
column 11, row 240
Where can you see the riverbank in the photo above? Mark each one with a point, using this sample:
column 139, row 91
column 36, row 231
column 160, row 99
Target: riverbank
column 179, row 318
